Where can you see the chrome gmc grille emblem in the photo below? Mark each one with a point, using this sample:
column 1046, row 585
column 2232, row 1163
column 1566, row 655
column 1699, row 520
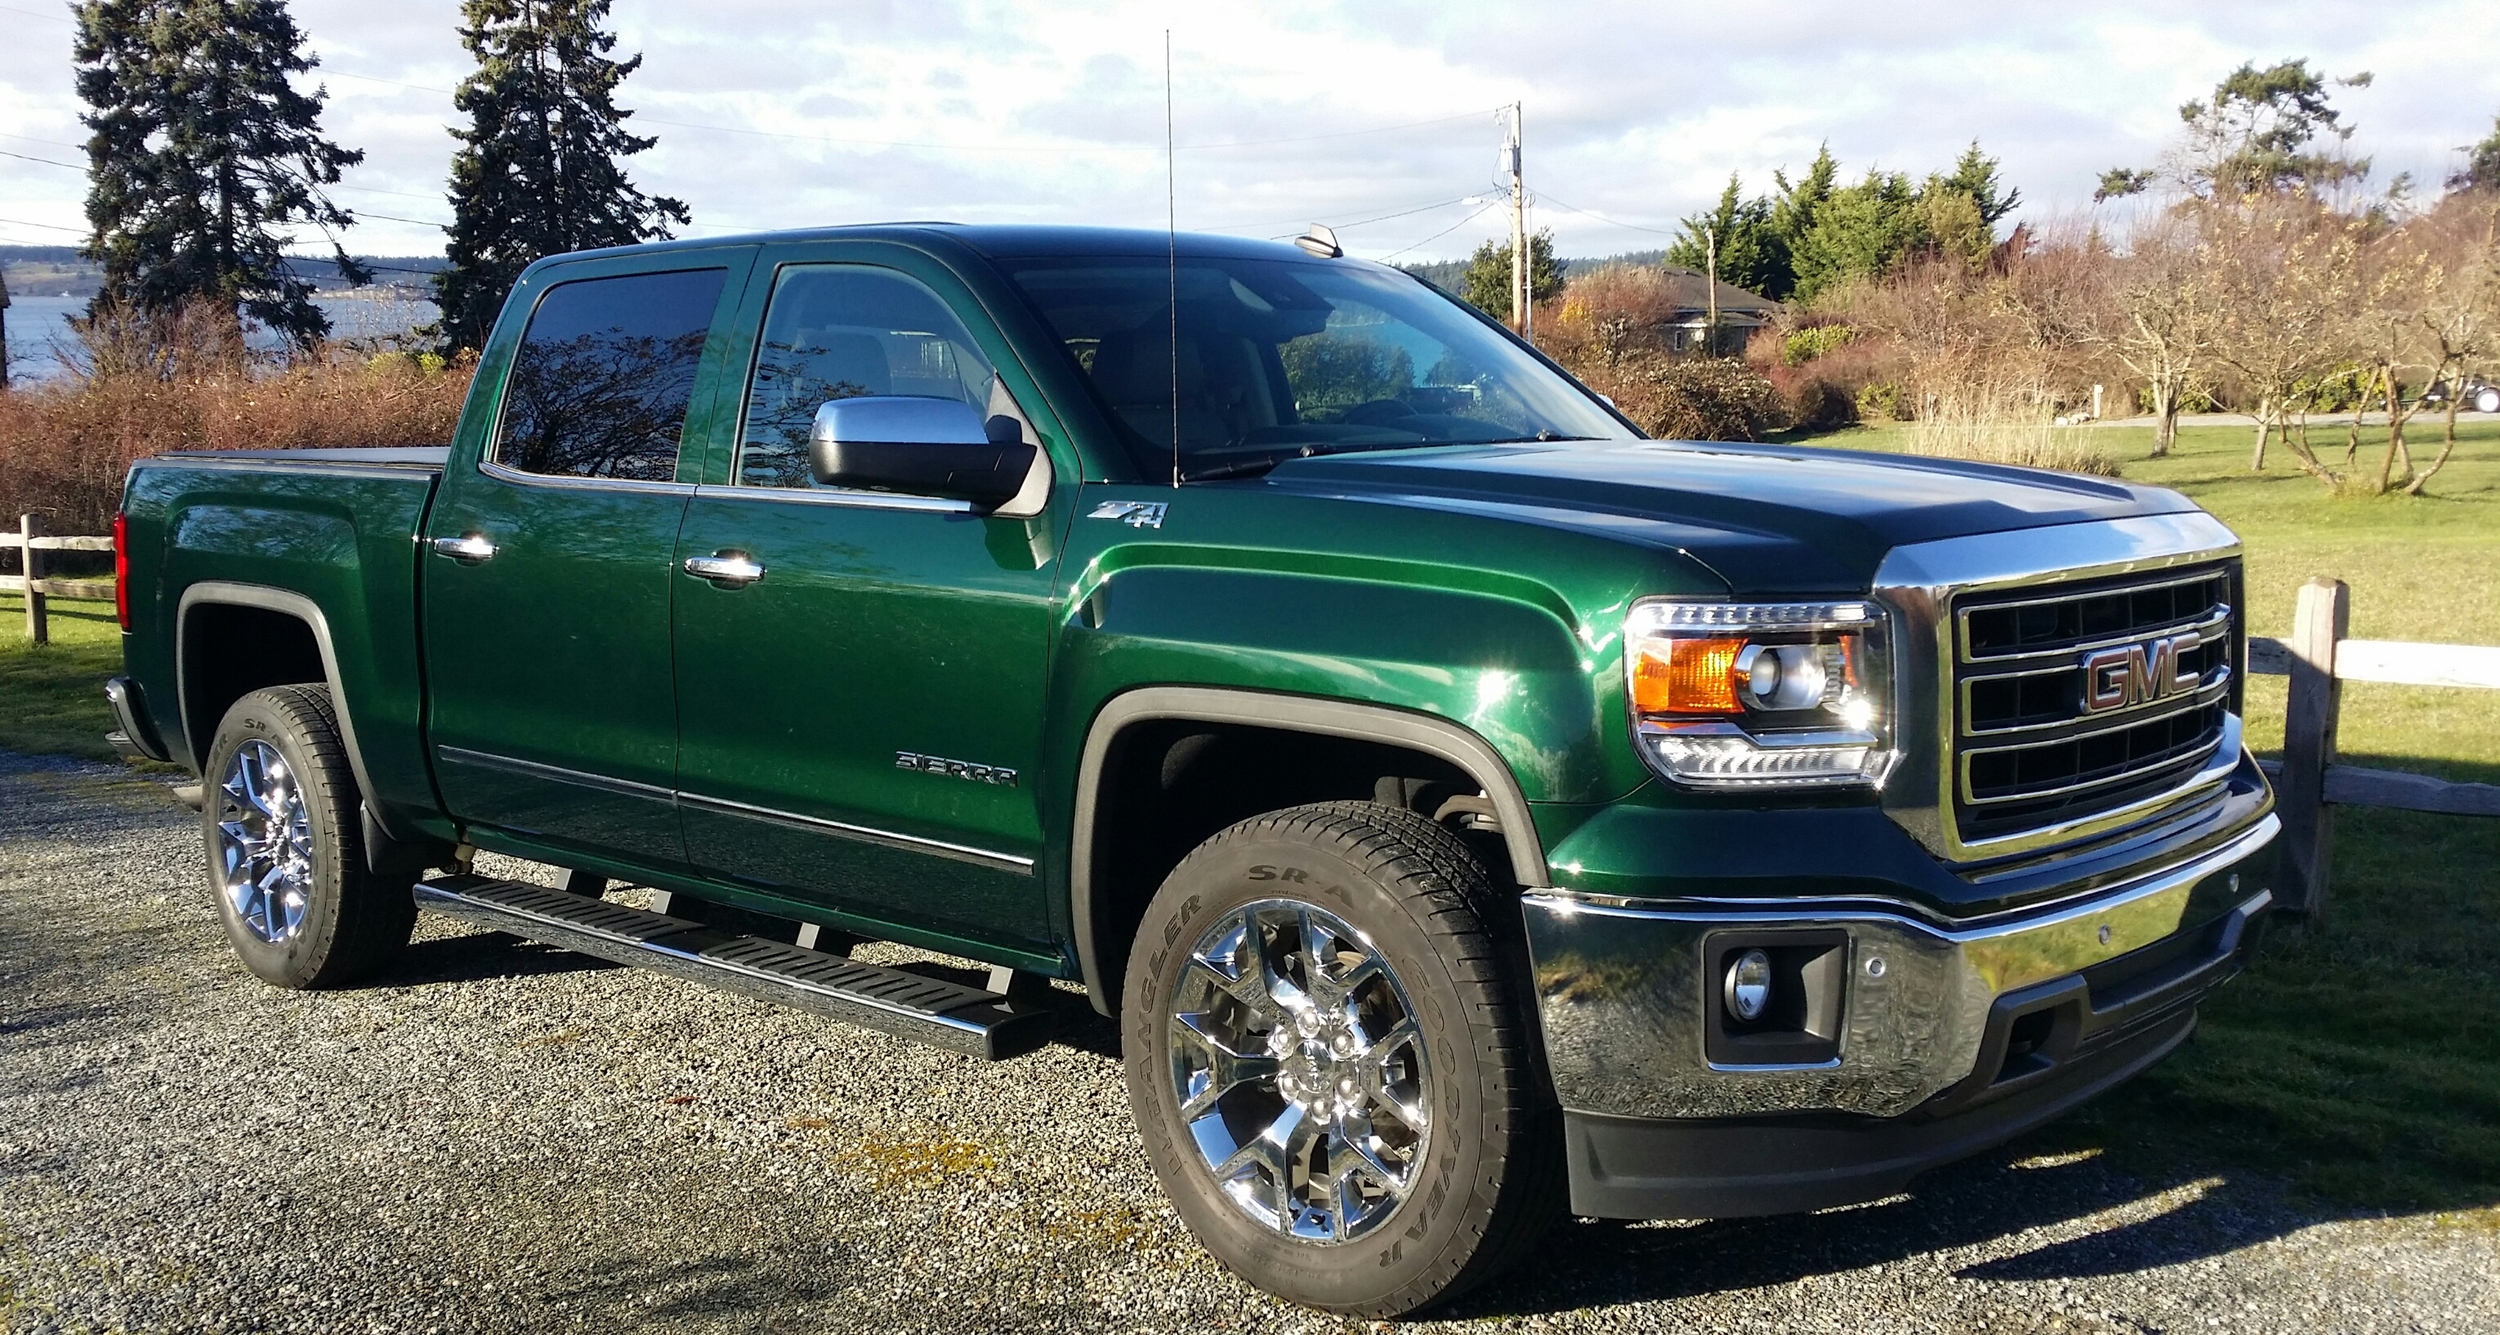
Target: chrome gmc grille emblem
column 2133, row 674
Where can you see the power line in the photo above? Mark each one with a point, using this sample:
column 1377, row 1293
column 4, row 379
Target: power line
column 1611, row 222
column 20, row 222
column 1402, row 213
column 414, row 222
column 1437, row 235
column 4, row 153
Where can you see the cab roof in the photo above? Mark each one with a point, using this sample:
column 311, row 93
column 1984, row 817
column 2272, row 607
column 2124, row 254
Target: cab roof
column 1005, row 241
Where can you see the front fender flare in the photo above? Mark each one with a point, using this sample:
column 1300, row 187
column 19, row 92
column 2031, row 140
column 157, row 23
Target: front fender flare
column 1432, row 735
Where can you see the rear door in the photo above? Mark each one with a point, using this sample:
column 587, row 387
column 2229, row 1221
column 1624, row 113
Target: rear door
column 859, row 726
column 547, row 563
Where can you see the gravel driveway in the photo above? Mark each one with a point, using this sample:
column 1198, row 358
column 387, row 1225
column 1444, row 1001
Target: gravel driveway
column 504, row 1137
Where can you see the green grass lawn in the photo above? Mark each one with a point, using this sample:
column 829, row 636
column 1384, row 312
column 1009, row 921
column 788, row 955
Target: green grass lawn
column 2361, row 1057
column 52, row 695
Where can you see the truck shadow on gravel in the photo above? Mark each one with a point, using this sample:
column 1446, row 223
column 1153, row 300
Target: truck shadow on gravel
column 483, row 955
column 2174, row 1220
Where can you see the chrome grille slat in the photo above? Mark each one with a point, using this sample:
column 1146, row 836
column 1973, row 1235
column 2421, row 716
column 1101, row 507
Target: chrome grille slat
column 2026, row 754
column 2216, row 687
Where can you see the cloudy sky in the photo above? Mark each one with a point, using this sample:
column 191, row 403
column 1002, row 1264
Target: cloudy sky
column 1379, row 118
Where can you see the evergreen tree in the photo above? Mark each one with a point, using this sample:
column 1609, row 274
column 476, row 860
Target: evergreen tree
column 1793, row 213
column 1975, row 175
column 1486, row 285
column 1859, row 231
column 1751, row 252
column 2482, row 164
column 538, row 171
column 202, row 154
column 2256, row 136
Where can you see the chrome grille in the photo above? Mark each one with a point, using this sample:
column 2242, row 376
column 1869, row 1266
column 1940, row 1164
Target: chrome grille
column 2029, row 752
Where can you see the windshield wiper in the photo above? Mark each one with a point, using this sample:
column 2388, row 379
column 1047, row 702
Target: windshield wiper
column 1246, row 467
column 1540, row 438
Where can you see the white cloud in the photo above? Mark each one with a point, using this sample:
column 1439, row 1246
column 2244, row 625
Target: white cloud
column 994, row 110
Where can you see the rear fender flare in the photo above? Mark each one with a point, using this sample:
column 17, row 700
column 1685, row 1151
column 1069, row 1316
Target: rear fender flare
column 289, row 603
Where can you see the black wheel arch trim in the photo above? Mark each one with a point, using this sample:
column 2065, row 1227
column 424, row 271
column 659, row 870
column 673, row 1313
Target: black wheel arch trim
column 302, row 608
column 1427, row 733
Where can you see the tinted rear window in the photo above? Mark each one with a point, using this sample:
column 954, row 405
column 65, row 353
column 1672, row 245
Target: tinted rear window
column 600, row 385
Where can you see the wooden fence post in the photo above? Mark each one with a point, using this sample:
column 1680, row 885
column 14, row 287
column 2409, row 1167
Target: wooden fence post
column 38, row 623
column 2323, row 617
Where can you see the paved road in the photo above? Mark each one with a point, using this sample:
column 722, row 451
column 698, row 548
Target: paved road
column 506, row 1138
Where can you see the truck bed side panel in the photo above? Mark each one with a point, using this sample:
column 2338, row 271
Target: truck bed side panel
column 342, row 534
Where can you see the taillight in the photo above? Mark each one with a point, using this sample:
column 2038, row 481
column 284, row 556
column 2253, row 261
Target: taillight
column 121, row 568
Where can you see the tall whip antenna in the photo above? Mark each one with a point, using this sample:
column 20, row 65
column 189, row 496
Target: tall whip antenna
column 1172, row 254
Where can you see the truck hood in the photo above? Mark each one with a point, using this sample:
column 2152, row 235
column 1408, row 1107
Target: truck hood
column 1766, row 519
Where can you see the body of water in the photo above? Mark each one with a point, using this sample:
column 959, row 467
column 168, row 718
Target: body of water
column 39, row 324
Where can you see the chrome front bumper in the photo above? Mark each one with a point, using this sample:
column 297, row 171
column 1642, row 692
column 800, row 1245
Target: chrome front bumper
column 1628, row 999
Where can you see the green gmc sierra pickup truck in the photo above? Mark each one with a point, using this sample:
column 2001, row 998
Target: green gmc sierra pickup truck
column 1469, row 810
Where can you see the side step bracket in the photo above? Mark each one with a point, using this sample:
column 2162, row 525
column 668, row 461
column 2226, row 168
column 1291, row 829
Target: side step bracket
column 907, row 1005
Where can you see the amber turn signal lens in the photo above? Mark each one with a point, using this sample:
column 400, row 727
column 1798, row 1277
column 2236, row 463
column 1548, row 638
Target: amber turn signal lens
column 1686, row 676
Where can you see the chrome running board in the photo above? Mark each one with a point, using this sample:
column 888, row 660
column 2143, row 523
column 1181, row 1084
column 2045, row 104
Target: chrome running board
column 929, row 1010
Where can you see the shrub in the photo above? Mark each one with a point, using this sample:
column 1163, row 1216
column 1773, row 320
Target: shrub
column 1817, row 404
column 1882, row 401
column 1804, row 345
column 1609, row 313
column 65, row 445
column 1691, row 398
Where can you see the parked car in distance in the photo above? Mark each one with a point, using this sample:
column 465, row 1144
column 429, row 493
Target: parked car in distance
column 2470, row 392
column 1469, row 810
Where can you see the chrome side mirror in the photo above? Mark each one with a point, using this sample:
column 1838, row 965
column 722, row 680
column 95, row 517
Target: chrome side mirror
column 923, row 446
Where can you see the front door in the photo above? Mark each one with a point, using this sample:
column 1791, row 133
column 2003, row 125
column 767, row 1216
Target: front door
column 859, row 722
column 547, row 568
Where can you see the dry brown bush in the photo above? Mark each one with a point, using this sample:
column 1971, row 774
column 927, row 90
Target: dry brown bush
column 1689, row 398
column 1612, row 334
column 65, row 445
column 1609, row 313
column 1987, row 358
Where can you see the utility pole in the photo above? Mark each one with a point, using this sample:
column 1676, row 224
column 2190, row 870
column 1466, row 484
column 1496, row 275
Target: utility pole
column 4, row 331
column 1710, row 335
column 1520, row 285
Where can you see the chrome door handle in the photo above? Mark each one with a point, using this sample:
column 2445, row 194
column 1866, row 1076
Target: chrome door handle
column 732, row 569
column 470, row 548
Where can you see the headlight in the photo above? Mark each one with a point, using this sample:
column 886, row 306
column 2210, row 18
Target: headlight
column 1760, row 695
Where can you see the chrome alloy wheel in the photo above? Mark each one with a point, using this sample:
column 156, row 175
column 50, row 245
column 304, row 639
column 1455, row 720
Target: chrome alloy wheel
column 264, row 843
column 1300, row 1070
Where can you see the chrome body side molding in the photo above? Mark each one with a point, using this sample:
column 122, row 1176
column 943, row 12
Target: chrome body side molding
column 910, row 843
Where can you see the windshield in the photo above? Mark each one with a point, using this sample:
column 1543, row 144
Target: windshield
column 1280, row 359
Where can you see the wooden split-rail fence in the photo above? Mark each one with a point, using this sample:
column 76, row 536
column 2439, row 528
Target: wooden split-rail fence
column 2309, row 782
column 32, row 542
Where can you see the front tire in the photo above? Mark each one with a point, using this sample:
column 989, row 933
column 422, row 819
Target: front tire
column 1326, row 1055
column 2487, row 400
column 285, row 842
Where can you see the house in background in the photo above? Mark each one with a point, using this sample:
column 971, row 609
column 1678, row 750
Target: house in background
column 1740, row 313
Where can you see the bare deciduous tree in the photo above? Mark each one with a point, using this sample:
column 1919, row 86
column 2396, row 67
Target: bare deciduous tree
column 2159, row 318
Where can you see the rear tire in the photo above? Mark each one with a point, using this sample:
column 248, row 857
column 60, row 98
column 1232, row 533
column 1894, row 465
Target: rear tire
column 2487, row 400
column 285, row 842
column 1371, row 1214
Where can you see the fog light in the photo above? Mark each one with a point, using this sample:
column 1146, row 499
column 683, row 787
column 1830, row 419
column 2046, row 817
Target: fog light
column 1749, row 986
